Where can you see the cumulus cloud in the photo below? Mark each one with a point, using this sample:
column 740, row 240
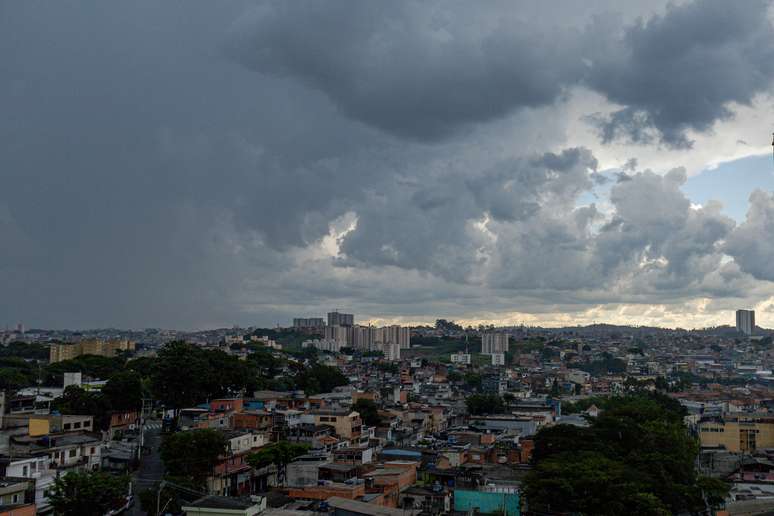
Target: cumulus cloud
column 751, row 244
column 424, row 70
column 418, row 70
column 684, row 69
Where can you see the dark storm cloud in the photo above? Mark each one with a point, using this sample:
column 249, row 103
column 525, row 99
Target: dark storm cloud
column 148, row 179
column 423, row 70
column 418, row 70
column 682, row 70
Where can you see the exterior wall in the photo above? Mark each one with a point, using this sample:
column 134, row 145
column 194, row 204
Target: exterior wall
column 68, row 351
column 34, row 468
column 346, row 426
column 38, row 427
column 302, row 473
column 324, row 492
column 738, row 434
column 251, row 421
column 235, row 404
column 26, row 510
column 486, row 503
column 400, row 474
column 494, row 343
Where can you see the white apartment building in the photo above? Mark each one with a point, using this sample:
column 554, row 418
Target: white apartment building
column 498, row 359
column 745, row 321
column 494, row 343
column 397, row 334
column 339, row 334
column 391, row 351
column 331, row 346
column 460, row 358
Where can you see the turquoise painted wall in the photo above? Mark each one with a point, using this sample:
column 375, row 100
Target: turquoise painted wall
column 465, row 500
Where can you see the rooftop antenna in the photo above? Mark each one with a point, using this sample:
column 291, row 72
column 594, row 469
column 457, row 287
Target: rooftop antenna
column 772, row 146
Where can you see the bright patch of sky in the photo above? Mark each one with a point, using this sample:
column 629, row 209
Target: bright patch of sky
column 732, row 183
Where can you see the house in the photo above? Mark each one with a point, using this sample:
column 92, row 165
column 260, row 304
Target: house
column 346, row 423
column 356, row 456
column 122, row 421
column 34, row 468
column 304, row 470
column 232, row 475
column 252, row 420
column 69, row 451
column 224, row 506
column 16, row 491
column 345, row 507
column 39, row 425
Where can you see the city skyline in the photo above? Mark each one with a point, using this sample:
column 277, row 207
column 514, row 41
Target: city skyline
column 252, row 163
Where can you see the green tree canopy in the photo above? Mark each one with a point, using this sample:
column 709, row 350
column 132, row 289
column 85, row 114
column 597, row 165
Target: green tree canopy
column 193, row 453
column 368, row 410
column 636, row 457
column 90, row 365
column 124, row 391
column 186, row 375
column 79, row 402
column 280, row 454
column 319, row 378
column 485, row 404
column 88, row 493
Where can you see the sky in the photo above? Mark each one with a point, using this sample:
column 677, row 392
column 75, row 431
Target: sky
column 192, row 164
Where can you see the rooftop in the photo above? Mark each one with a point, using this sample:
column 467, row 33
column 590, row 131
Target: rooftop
column 221, row 502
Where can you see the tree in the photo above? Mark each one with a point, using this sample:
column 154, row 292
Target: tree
column 555, row 389
column 124, row 391
column 473, row 380
column 368, row 411
column 636, row 457
column 186, row 375
column 319, row 378
column 485, row 404
column 193, row 454
column 93, row 366
column 88, row 493
column 280, row 454
column 79, row 402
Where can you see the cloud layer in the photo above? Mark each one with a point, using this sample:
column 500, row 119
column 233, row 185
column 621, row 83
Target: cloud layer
column 187, row 167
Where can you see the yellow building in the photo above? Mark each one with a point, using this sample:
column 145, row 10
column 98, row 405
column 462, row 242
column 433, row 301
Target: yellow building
column 347, row 424
column 104, row 348
column 738, row 432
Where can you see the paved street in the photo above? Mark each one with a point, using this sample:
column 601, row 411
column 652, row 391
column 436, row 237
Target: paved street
column 151, row 468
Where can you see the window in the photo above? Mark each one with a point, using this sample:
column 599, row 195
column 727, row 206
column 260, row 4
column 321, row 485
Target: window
column 92, row 450
column 15, row 499
column 73, row 453
column 25, row 471
column 77, row 424
column 67, row 426
column 86, row 424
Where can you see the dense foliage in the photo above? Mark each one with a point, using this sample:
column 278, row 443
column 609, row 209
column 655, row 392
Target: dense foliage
column 186, row 374
column 485, row 404
column 635, row 458
column 319, row 378
column 607, row 364
column 368, row 410
column 192, row 454
column 88, row 493
column 90, row 365
column 33, row 351
column 282, row 452
column 77, row 401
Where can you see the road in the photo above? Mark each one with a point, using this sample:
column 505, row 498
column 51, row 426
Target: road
column 151, row 468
